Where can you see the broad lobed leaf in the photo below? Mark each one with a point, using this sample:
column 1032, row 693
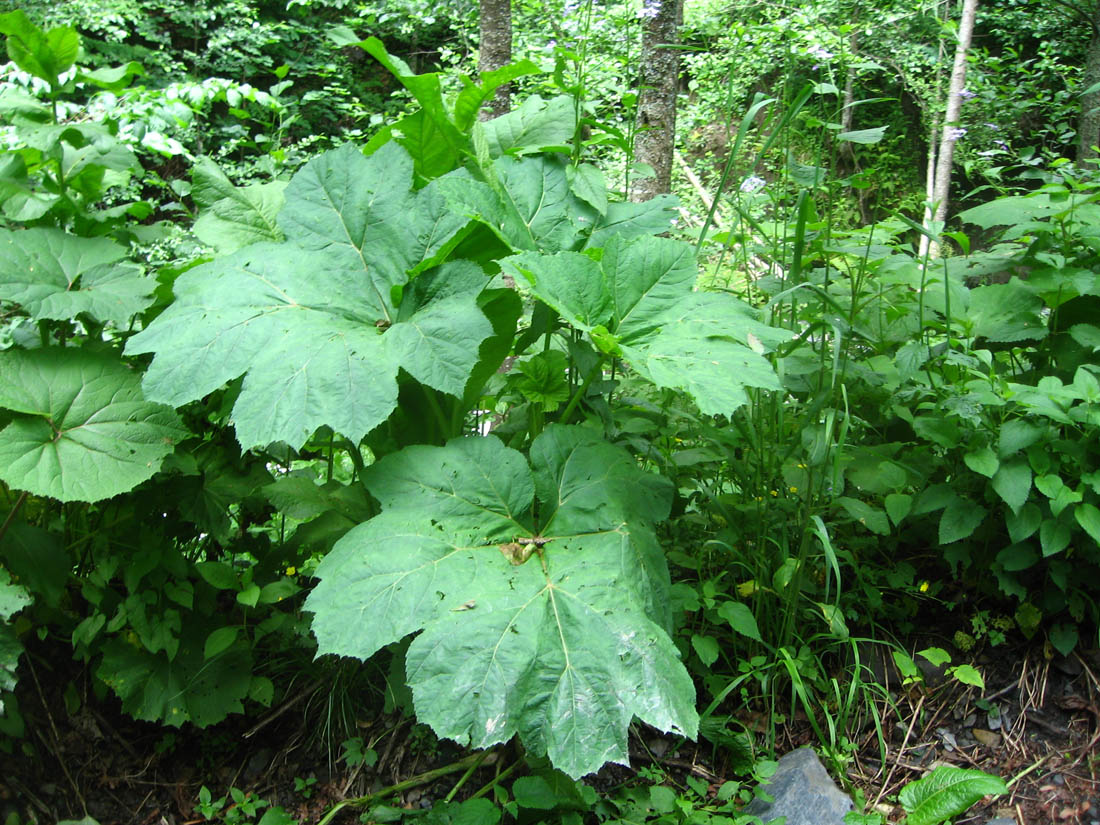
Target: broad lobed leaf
column 312, row 323
column 54, row 275
column 563, row 646
column 709, row 345
column 82, row 429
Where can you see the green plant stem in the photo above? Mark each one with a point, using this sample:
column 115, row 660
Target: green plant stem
column 504, row 774
column 582, row 389
column 469, row 772
column 11, row 515
column 354, row 454
column 473, row 759
column 437, row 412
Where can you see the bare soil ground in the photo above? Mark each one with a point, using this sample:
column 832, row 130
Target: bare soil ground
column 1038, row 724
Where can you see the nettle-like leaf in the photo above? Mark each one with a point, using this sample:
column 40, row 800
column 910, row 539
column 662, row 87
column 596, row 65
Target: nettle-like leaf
column 637, row 301
column 81, row 430
column 947, row 792
column 54, row 275
column 185, row 688
column 539, row 591
column 320, row 324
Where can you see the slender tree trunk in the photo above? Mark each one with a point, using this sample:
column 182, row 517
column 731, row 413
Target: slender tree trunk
column 656, row 139
column 1088, row 125
column 951, row 130
column 495, row 50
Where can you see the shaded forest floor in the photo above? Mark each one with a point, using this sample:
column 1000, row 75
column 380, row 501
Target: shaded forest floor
column 1038, row 721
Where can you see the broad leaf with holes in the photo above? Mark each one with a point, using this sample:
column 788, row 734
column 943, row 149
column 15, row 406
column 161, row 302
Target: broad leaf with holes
column 320, row 324
column 81, row 430
column 538, row 589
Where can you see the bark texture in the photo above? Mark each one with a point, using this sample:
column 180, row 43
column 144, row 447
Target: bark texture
column 495, row 50
column 1088, row 125
column 656, row 137
column 951, row 122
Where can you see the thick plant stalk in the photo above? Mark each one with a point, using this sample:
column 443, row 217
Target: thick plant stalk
column 951, row 131
column 495, row 50
column 656, row 138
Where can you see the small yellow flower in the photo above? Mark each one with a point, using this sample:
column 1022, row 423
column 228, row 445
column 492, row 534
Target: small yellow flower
column 290, row 571
column 792, row 489
column 924, row 587
column 759, row 498
column 775, row 492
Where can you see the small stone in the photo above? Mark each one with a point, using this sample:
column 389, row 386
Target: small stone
column 993, row 718
column 257, row 764
column 970, row 721
column 803, row 792
column 1070, row 667
column 948, row 738
column 986, row 737
column 658, row 747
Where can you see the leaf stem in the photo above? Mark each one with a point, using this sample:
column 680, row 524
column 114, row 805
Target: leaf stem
column 469, row 772
column 437, row 411
column 504, row 774
column 473, row 759
column 582, row 389
column 11, row 516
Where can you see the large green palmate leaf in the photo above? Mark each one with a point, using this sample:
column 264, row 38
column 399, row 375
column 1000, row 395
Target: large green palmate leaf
column 233, row 217
column 82, row 431
column 320, row 324
column 540, row 592
column 529, row 204
column 709, row 345
column 54, row 275
column 533, row 124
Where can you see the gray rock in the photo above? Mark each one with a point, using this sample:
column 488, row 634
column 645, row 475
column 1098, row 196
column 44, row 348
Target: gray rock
column 803, row 792
column 1001, row 820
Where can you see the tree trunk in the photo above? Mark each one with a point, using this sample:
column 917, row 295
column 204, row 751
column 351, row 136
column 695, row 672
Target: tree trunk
column 656, row 138
column 951, row 130
column 495, row 50
column 1088, row 125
